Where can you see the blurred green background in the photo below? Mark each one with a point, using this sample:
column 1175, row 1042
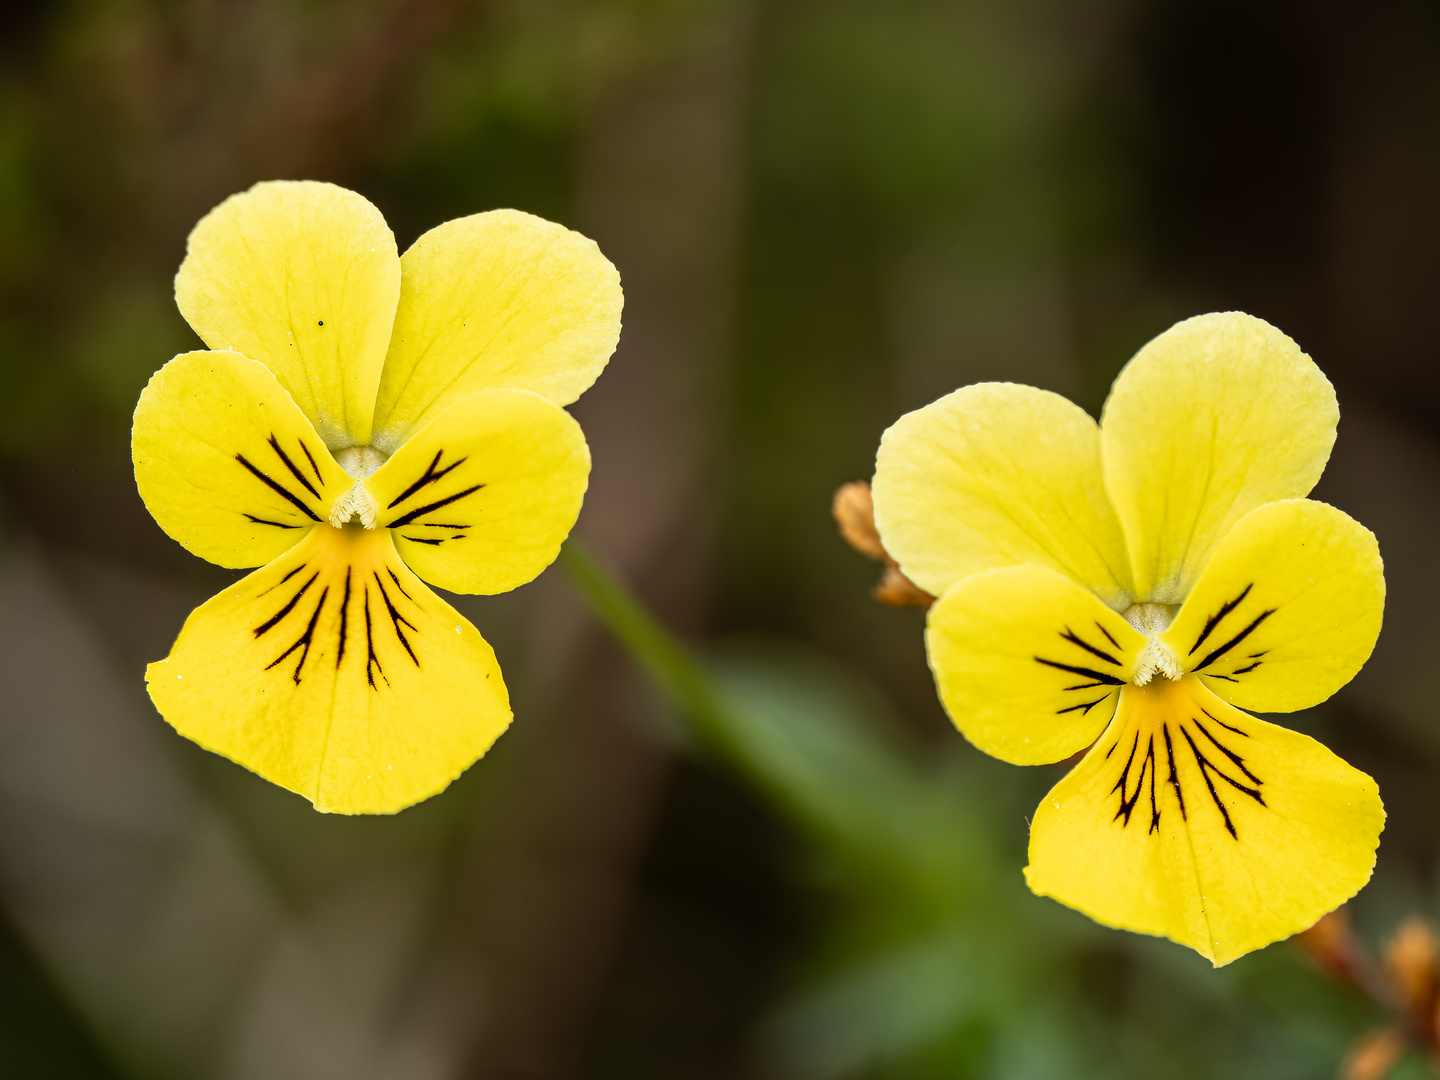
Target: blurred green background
column 825, row 213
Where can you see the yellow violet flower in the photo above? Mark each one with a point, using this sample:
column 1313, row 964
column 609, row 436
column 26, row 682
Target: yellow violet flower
column 1132, row 586
column 364, row 420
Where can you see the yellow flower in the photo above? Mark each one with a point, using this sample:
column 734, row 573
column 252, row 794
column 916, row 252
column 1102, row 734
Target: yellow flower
column 1130, row 587
column 364, row 420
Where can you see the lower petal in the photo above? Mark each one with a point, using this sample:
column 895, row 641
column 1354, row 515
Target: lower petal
column 1195, row 821
column 336, row 673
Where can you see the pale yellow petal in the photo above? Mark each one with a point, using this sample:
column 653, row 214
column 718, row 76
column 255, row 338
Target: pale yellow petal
column 303, row 277
column 497, row 300
column 1288, row 610
column 1195, row 821
column 481, row 500
column 1028, row 664
column 227, row 463
column 1215, row 417
column 997, row 475
column 334, row 672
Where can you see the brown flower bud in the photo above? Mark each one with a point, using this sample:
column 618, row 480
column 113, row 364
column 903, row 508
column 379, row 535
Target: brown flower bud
column 1374, row 1056
column 1411, row 955
column 854, row 512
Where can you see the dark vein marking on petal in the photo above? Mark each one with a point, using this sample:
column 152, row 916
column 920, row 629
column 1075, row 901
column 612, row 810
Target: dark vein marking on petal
column 1241, row 636
column 1236, row 758
column 282, row 581
column 372, row 662
column 279, row 489
column 1248, row 668
column 269, row 624
column 344, row 619
column 396, row 579
column 311, row 458
column 1074, row 638
column 429, row 477
column 424, row 540
column 1174, row 774
column 397, row 619
column 1084, row 705
column 266, row 521
column 1227, row 727
column 1214, row 620
column 1101, row 679
column 1108, row 636
column 304, row 640
column 406, row 519
column 294, row 469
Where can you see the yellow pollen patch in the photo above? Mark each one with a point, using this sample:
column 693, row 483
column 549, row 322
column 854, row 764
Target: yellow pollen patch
column 1157, row 658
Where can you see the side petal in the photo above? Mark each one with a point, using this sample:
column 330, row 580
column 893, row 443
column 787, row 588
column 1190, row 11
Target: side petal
column 1216, row 416
column 304, row 277
column 1028, row 664
column 334, row 672
column 481, row 500
column 227, row 463
column 497, row 300
column 1288, row 610
column 998, row 475
column 1194, row 821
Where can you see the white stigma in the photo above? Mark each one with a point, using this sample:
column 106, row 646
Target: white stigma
column 1156, row 658
column 360, row 462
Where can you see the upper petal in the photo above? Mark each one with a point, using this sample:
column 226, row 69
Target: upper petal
column 226, row 462
column 497, row 300
column 481, row 500
column 304, row 277
column 1288, row 610
column 1216, row 416
column 1028, row 664
column 1191, row 819
column 997, row 475
column 334, row 672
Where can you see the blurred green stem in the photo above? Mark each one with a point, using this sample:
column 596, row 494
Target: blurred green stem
column 673, row 669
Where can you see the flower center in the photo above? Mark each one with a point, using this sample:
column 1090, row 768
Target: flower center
column 357, row 503
column 1156, row 658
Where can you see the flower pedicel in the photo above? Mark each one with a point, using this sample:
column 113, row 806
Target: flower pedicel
column 1130, row 587
column 363, row 421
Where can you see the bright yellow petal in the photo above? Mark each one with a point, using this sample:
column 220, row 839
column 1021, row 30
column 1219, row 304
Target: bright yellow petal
column 227, row 463
column 1288, row 610
column 1195, row 821
column 334, row 672
column 481, row 500
column 303, row 277
column 1216, row 416
column 998, row 475
column 497, row 300
column 1029, row 664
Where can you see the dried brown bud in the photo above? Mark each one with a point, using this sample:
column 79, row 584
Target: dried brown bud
column 1411, row 956
column 854, row 512
column 1332, row 942
column 897, row 590
column 1374, row 1056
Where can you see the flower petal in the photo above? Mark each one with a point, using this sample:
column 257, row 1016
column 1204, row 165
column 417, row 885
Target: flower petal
column 1195, row 821
column 1216, row 416
column 481, row 500
column 496, row 300
column 226, row 462
column 1029, row 664
column 334, row 672
column 997, row 475
column 1288, row 610
column 303, row 277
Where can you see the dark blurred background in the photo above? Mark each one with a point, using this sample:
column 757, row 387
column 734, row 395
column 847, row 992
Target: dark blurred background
column 825, row 213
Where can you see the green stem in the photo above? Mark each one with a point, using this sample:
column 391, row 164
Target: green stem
column 671, row 666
